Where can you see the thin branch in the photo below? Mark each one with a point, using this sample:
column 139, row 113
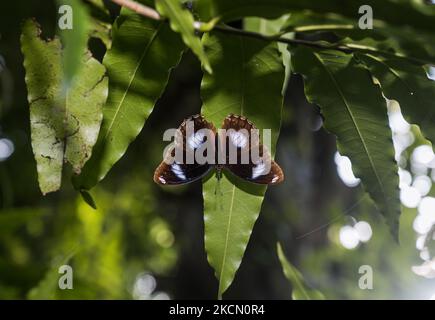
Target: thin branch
column 319, row 45
column 139, row 8
column 346, row 48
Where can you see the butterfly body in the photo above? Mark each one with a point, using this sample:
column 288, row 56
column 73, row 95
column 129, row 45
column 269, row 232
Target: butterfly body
column 235, row 147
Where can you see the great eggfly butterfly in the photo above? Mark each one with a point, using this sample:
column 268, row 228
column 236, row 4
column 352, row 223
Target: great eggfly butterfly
column 240, row 138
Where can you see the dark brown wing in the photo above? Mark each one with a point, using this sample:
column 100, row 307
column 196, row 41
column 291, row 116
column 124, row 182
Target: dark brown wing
column 191, row 135
column 253, row 160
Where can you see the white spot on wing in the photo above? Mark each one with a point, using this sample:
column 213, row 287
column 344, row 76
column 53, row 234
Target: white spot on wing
column 258, row 170
column 196, row 140
column 162, row 180
column 176, row 169
column 238, row 139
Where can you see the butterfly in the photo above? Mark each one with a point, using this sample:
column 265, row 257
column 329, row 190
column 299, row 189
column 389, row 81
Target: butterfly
column 241, row 137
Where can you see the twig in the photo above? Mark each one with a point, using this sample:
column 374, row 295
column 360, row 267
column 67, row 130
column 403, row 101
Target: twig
column 319, row 45
column 139, row 8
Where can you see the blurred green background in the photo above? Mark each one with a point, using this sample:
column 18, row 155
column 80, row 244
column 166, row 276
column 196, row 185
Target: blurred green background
column 145, row 242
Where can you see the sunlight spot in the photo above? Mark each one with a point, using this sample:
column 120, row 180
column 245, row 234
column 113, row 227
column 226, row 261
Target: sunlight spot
column 401, row 141
column 419, row 244
column 410, row 197
column 397, row 122
column 364, row 231
column 423, row 184
column 344, row 170
column 418, row 168
column 405, row 178
column 424, row 254
column 427, row 269
column 161, row 296
column 6, row 148
column 431, row 71
column 422, row 224
column 423, row 154
column 144, row 286
column 349, row 237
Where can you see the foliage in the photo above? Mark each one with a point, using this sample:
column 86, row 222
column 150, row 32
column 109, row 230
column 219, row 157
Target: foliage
column 300, row 290
column 135, row 84
column 348, row 72
column 62, row 130
column 232, row 209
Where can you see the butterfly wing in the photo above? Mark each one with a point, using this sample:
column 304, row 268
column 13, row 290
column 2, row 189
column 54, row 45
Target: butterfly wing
column 243, row 136
column 176, row 171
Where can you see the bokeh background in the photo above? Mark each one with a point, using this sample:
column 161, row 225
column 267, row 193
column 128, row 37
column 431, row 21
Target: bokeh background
column 145, row 242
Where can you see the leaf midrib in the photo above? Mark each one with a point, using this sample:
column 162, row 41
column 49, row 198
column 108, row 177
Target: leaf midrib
column 234, row 187
column 132, row 78
column 348, row 109
column 226, row 239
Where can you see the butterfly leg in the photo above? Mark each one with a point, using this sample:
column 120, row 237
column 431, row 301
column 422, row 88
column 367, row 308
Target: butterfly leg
column 218, row 191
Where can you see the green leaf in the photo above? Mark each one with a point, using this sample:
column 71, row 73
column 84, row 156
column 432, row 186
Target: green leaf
column 272, row 27
column 410, row 86
column 308, row 21
column 405, row 12
column 383, row 39
column 42, row 61
column 247, row 81
column 138, row 64
column 64, row 124
column 101, row 30
column 84, row 102
column 300, row 289
column 100, row 22
column 356, row 113
column 74, row 40
column 87, row 197
column 181, row 20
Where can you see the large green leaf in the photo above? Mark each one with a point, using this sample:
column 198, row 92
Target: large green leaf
column 247, row 80
column 300, row 290
column 404, row 12
column 138, row 64
column 64, row 124
column 410, row 86
column 181, row 20
column 355, row 111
